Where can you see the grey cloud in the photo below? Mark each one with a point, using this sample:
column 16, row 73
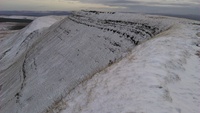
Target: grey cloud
column 113, row 2
column 165, row 10
column 190, row 7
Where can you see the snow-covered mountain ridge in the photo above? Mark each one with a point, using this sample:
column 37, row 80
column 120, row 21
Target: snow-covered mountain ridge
column 45, row 61
column 159, row 76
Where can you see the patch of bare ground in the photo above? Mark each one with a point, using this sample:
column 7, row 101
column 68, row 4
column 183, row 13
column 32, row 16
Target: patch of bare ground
column 198, row 34
column 5, row 33
column 198, row 53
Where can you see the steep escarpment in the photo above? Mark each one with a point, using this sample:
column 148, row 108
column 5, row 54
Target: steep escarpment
column 40, row 66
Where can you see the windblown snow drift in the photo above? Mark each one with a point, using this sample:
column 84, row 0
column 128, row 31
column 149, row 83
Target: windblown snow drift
column 44, row 62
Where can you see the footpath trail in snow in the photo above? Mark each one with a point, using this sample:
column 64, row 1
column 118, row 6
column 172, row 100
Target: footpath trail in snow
column 161, row 75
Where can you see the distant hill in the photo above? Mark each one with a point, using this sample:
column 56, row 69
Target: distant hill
column 192, row 17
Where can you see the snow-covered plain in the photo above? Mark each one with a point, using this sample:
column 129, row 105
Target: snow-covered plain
column 49, row 66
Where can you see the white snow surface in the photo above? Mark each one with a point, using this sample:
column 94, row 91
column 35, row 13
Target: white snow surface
column 43, row 22
column 12, row 53
column 161, row 75
column 49, row 65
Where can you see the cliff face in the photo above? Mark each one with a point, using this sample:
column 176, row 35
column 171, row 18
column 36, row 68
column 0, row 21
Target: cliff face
column 45, row 61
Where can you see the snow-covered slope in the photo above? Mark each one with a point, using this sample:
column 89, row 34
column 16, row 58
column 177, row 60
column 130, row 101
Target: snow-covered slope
column 39, row 66
column 12, row 53
column 161, row 75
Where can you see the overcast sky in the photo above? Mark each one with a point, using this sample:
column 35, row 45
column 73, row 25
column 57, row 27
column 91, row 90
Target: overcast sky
column 143, row 6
